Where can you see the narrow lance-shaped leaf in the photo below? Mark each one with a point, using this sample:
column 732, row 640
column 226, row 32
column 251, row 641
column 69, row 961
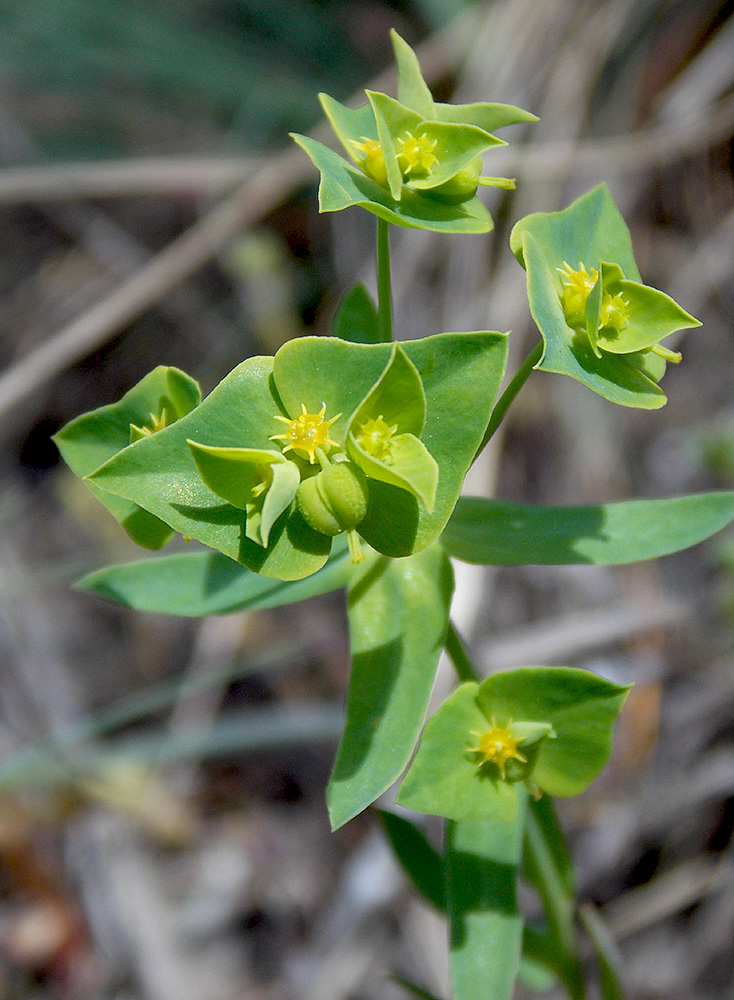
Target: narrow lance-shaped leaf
column 482, row 867
column 611, row 978
column 194, row 584
column 420, row 859
column 493, row 532
column 398, row 616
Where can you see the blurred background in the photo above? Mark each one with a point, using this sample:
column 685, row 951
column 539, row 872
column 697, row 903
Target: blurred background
column 163, row 834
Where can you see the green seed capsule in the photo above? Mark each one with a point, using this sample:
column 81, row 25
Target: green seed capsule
column 335, row 499
column 460, row 187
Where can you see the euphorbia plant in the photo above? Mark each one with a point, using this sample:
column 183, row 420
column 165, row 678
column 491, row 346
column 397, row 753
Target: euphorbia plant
column 339, row 463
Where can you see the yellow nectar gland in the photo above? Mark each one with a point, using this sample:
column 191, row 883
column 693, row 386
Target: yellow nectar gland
column 375, row 438
column 497, row 746
column 307, row 433
column 415, row 154
column 373, row 162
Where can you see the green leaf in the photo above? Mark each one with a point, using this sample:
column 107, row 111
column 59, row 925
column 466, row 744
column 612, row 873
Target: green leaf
column 393, row 120
column 460, row 374
column 443, row 779
column 91, row 439
column 397, row 396
column 398, row 616
column 159, row 474
column 412, row 468
column 412, row 88
column 396, row 408
column 581, row 708
column 456, row 146
column 505, row 534
column 483, row 115
column 421, row 861
column 537, row 965
column 589, row 230
column 236, row 475
column 343, row 186
column 653, row 315
column 482, row 862
column 206, row 583
column 350, row 124
column 545, row 822
column 592, row 313
column 357, row 318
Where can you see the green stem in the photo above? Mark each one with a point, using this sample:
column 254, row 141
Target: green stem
column 503, row 403
column 458, row 655
column 546, row 868
column 384, row 294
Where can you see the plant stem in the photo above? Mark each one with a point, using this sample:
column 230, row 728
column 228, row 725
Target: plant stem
column 458, row 655
column 384, row 294
column 503, row 403
column 546, row 868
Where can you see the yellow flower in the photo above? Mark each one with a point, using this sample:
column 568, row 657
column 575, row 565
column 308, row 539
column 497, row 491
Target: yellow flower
column 374, row 437
column 498, row 746
column 415, row 154
column 307, row 433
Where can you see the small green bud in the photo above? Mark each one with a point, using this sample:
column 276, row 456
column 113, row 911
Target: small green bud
column 335, row 499
column 460, row 187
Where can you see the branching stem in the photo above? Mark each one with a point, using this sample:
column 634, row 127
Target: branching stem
column 503, row 403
